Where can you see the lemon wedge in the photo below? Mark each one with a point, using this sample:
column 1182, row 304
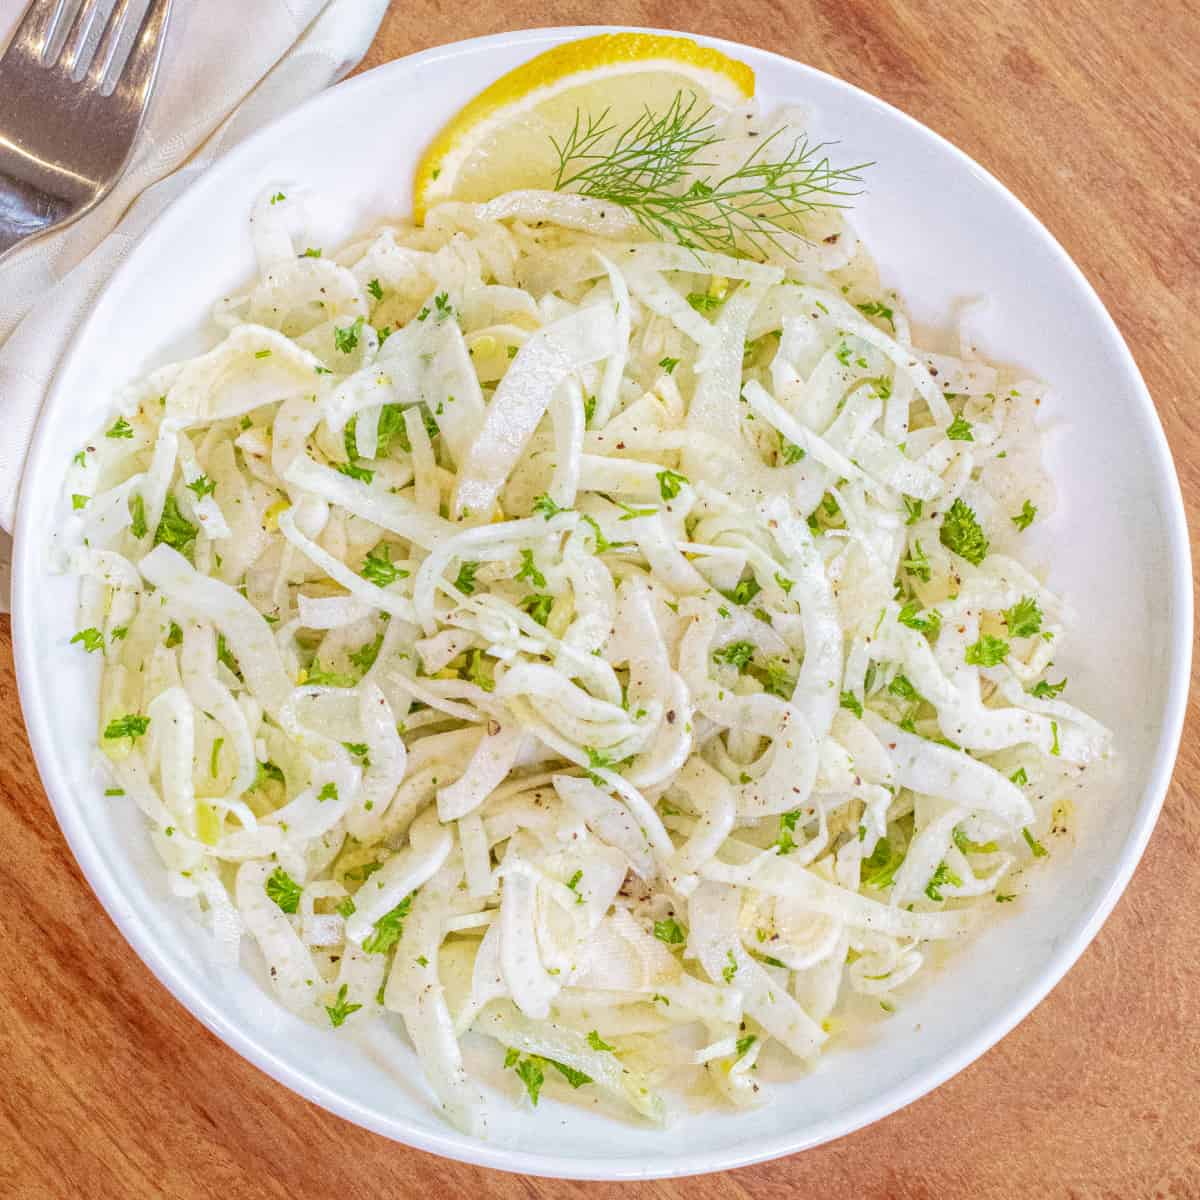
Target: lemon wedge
column 502, row 140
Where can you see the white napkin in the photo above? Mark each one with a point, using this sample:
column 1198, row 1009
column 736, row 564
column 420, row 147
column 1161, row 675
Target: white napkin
column 228, row 67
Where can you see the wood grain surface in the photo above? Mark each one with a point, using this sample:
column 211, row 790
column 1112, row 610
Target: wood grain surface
column 1089, row 111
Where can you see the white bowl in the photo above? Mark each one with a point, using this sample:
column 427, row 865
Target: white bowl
column 942, row 229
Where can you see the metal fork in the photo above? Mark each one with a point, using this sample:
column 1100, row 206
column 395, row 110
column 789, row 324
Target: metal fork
column 70, row 108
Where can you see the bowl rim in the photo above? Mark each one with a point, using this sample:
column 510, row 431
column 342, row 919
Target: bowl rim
column 448, row 1142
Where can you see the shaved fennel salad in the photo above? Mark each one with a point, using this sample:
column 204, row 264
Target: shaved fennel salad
column 520, row 627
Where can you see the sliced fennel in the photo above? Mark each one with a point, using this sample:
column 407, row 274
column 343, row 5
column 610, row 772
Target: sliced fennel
column 524, row 630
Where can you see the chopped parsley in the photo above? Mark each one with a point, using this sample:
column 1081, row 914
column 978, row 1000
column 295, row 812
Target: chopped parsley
column 390, row 428
column 317, row 676
column 1043, row 690
column 359, row 750
column 912, row 507
column 1020, row 777
column 930, row 623
column 602, row 543
column 1024, row 518
column 476, row 671
column 465, row 581
column 364, row 657
column 670, row 931
column 917, row 562
column 880, row 866
column 736, row 654
column 387, row 930
column 529, row 1071
column 942, row 877
column 92, row 639
column 989, row 651
column 669, row 483
column 851, row 702
column 538, row 606
column 1024, row 619
column 375, row 290
column 876, row 308
column 544, row 505
column 346, row 339
column 959, row 430
column 121, row 429
column 962, row 534
column 174, row 636
column 745, row 591
column 379, row 569
column 668, row 364
column 598, row 1043
column 730, row 969
column 328, row 792
column 530, row 571
column 78, row 501
column 787, row 828
column 340, row 1010
column 202, row 486
column 175, row 530
column 573, row 884
column 137, row 513
column 789, row 451
column 283, row 890
column 744, row 1044
column 132, row 726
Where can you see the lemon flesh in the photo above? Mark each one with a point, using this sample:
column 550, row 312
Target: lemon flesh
column 504, row 138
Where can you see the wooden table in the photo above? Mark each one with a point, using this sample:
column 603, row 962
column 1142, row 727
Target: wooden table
column 1088, row 110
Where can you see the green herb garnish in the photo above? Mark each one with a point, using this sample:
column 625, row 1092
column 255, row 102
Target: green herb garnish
column 340, row 1010
column 284, row 890
column 670, row 931
column 756, row 205
column 962, row 534
column 1024, row 619
column 387, row 930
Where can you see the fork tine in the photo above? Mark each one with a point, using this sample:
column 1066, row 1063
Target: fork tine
column 137, row 73
column 109, row 42
column 75, row 50
column 37, row 26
